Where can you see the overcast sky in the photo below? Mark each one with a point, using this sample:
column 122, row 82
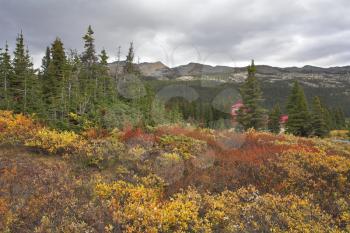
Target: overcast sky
column 223, row 32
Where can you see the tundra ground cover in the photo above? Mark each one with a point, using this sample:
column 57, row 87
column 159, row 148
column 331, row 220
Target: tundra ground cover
column 169, row 179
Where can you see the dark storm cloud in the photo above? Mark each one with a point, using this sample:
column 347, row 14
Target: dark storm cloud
column 288, row 32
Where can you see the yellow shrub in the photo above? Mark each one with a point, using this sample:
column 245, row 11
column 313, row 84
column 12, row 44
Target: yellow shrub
column 15, row 128
column 247, row 211
column 137, row 208
column 53, row 141
column 136, row 152
column 341, row 134
column 185, row 146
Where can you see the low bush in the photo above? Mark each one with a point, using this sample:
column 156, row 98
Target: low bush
column 55, row 142
column 170, row 179
column 186, row 147
column 16, row 128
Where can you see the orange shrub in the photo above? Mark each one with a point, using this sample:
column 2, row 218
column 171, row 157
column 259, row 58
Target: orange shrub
column 95, row 133
column 15, row 128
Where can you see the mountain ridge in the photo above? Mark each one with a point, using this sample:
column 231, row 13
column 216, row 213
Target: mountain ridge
column 158, row 69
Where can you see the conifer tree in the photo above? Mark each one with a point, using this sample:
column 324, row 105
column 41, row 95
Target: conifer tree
column 339, row 118
column 129, row 67
column 73, row 69
column 22, row 79
column 107, row 89
column 45, row 77
column 318, row 121
column 89, row 57
column 5, row 76
column 53, row 80
column 251, row 115
column 298, row 114
column 274, row 119
column 328, row 118
column 88, row 79
column 45, row 62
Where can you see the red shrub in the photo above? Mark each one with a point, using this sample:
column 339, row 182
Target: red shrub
column 137, row 136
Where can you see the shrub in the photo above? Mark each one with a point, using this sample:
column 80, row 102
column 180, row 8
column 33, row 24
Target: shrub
column 100, row 153
column 43, row 195
column 16, row 128
column 95, row 133
column 186, row 147
column 137, row 208
column 247, row 211
column 170, row 167
column 53, row 141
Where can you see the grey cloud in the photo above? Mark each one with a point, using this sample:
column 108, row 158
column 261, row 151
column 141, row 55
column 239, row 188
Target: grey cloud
column 289, row 32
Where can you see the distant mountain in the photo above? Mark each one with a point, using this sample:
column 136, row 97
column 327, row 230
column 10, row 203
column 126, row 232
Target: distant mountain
column 331, row 84
column 156, row 69
column 309, row 75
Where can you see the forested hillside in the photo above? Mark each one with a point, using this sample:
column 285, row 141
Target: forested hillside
column 73, row 89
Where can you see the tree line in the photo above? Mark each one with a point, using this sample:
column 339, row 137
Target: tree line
column 71, row 90
column 74, row 90
column 316, row 120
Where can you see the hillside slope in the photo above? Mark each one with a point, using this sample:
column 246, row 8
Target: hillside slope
column 332, row 85
column 169, row 179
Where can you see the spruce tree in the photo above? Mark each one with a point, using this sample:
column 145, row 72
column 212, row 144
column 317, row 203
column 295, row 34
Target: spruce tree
column 328, row 118
column 298, row 114
column 88, row 79
column 45, row 62
column 129, row 67
column 5, row 75
column 251, row 115
column 89, row 57
column 106, row 89
column 274, row 119
column 73, row 93
column 44, row 76
column 22, row 79
column 339, row 118
column 53, row 81
column 318, row 121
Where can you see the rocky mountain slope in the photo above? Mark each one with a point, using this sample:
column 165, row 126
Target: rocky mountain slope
column 332, row 84
column 308, row 75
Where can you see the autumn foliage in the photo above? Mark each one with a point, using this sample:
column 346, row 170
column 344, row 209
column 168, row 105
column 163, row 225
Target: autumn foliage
column 169, row 179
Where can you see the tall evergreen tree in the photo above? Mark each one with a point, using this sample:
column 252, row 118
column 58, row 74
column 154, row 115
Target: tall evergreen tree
column 45, row 77
column 107, row 88
column 89, row 57
column 339, row 118
column 21, row 80
column 274, row 119
column 328, row 118
column 251, row 115
column 318, row 121
column 5, row 75
column 298, row 114
column 129, row 67
column 53, row 80
column 45, row 62
column 55, row 84
column 73, row 93
column 88, row 78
